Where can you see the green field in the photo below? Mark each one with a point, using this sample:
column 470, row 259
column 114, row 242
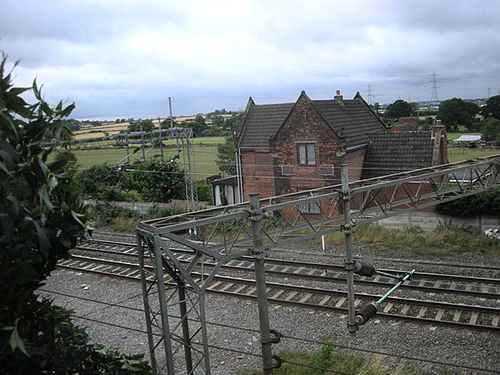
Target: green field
column 205, row 153
column 203, row 158
column 458, row 154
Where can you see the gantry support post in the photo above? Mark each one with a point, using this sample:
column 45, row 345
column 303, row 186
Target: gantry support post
column 260, row 279
column 167, row 344
column 126, row 147
column 349, row 263
column 185, row 327
column 147, row 308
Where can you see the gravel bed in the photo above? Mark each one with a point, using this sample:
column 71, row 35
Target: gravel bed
column 458, row 346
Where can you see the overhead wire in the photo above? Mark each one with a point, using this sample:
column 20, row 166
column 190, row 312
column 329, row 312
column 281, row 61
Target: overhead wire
column 310, row 341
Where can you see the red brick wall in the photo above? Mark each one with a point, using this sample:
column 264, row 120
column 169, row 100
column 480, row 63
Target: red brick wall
column 305, row 125
column 258, row 175
column 354, row 161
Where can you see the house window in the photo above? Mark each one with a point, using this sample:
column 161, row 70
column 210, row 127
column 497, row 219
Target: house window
column 310, row 208
column 307, row 153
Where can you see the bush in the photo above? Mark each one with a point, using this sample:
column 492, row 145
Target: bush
column 490, row 130
column 41, row 218
column 56, row 345
column 152, row 181
column 204, row 191
column 486, row 203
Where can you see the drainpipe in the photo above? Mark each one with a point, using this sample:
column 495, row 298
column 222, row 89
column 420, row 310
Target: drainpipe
column 239, row 173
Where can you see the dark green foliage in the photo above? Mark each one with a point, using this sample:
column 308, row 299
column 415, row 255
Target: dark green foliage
column 198, row 125
column 57, row 346
column 492, row 107
column 226, row 156
column 399, row 108
column 155, row 180
column 92, row 179
column 204, row 191
column 455, row 112
column 487, row 203
column 138, row 125
column 490, row 130
column 40, row 220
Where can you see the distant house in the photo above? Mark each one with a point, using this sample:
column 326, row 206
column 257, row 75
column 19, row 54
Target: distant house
column 406, row 124
column 289, row 147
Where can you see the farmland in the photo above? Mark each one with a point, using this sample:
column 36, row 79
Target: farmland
column 204, row 155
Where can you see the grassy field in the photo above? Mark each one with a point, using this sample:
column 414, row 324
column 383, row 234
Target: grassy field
column 204, row 158
column 458, row 154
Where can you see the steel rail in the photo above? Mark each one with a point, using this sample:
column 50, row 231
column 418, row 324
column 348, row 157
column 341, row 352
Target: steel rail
column 316, row 265
column 305, row 294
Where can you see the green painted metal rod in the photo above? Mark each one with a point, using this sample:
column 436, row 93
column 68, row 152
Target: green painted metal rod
column 393, row 289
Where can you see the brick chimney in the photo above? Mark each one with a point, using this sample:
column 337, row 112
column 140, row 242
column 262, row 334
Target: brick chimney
column 440, row 146
column 338, row 97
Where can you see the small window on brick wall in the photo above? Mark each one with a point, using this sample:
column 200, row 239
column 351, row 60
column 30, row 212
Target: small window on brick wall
column 326, row 170
column 307, row 153
column 287, row 170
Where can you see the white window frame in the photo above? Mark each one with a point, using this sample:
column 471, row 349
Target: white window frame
column 306, row 152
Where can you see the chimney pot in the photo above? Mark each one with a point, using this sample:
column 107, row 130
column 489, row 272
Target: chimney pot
column 338, row 97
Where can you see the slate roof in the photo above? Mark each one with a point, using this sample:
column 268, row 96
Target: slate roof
column 393, row 152
column 349, row 119
column 262, row 122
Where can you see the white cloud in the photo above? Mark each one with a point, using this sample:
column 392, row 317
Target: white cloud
column 126, row 57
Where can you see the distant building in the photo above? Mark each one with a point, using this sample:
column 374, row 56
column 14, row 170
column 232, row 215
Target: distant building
column 289, row 147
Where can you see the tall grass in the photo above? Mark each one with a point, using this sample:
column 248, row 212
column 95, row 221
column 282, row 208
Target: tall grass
column 330, row 359
column 442, row 241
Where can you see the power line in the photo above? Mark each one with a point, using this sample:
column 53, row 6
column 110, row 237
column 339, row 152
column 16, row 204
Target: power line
column 340, row 346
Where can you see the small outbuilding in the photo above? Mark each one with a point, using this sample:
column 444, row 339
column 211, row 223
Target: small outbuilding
column 467, row 140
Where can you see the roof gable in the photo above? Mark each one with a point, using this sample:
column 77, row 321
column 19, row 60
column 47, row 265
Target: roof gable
column 349, row 119
column 261, row 123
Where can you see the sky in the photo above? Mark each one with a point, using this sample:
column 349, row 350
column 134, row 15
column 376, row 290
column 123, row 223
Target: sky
column 124, row 58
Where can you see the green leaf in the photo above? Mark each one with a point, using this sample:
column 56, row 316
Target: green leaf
column 15, row 341
column 77, row 217
column 66, row 111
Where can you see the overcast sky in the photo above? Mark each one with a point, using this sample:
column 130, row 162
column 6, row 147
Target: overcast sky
column 124, row 58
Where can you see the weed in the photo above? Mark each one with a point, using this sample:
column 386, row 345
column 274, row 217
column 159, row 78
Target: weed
column 123, row 224
column 443, row 241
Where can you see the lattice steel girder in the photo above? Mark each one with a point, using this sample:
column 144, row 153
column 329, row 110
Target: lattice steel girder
column 480, row 174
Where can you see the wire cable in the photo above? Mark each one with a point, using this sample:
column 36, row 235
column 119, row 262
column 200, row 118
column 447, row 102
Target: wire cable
column 387, row 354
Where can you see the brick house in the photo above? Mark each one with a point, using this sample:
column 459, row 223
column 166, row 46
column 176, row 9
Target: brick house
column 289, row 147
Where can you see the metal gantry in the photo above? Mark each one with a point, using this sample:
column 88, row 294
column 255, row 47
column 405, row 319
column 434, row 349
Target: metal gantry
column 143, row 145
column 174, row 292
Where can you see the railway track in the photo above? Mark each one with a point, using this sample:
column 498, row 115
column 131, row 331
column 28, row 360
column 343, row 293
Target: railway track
column 410, row 309
column 286, row 269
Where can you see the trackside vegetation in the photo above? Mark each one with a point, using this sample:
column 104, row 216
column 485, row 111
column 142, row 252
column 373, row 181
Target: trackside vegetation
column 443, row 241
column 330, row 359
column 41, row 218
